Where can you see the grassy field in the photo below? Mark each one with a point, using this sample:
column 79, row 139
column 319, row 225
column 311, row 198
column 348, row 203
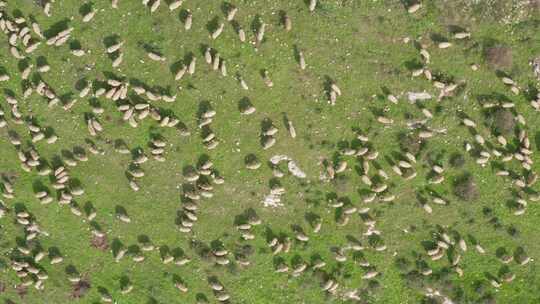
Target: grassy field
column 369, row 49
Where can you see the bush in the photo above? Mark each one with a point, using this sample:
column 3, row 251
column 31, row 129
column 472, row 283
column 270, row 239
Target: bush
column 466, row 189
column 503, row 122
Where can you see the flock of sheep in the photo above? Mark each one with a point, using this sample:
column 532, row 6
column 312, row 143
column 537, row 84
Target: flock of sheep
column 136, row 102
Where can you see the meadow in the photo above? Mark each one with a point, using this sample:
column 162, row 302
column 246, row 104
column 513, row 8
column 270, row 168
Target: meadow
column 369, row 51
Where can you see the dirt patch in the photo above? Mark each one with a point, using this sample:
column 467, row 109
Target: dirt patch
column 466, row 189
column 21, row 291
column 499, row 57
column 80, row 289
column 503, row 122
column 100, row 243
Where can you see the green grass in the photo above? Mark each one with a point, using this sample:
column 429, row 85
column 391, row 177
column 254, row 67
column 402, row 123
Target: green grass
column 358, row 44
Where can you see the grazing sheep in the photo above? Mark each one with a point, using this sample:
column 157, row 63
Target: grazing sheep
column 155, row 56
column 287, row 23
column 216, row 61
column 260, row 32
column 175, row 4
column 155, row 5
column 215, row 34
column 268, row 142
column 370, row 275
column 192, row 64
column 267, row 81
column 312, row 5
column 243, row 83
column 444, row 45
column 89, row 16
column 208, row 55
column 188, row 21
column 414, row 8
column 181, row 72
column 231, row 13
column 241, row 35
column 302, row 60
column 181, row 286
column 385, row 120
column 462, row 35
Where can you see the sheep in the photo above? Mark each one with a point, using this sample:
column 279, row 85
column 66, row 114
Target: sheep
column 241, row 35
column 268, row 142
column 175, row 4
column 370, row 275
column 437, row 179
column 155, row 6
column 182, row 261
column 222, row 261
column 127, row 288
column 462, row 35
column 425, row 134
column 12, row 40
column 312, row 5
column 223, row 69
column 299, row 269
column 366, row 180
column 414, row 8
column 267, row 81
column 243, row 83
column 44, row 68
column 181, row 72
column 469, row 123
column 327, row 284
column 134, row 186
column 208, row 55
column 37, row 30
column 222, row 296
column 404, row 164
column 507, row 81
column 231, row 13
column 192, row 64
column 188, row 21
column 56, row 260
column 15, row 53
column 115, row 47
column 385, row 120
column 155, row 56
column 215, row 34
column 32, row 47
column 271, row 131
column 418, row 72
column 388, row 198
column 260, row 32
column 302, row 60
column 89, row 16
column 444, row 45
column 287, row 23
column 181, row 286
column 216, row 61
